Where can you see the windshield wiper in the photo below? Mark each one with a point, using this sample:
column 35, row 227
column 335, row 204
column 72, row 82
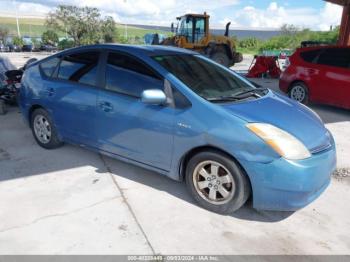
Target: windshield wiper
column 250, row 91
column 239, row 96
column 222, row 98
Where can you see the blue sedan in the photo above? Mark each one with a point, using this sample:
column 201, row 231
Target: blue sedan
column 178, row 113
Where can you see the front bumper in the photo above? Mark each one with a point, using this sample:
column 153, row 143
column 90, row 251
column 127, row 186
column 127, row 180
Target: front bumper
column 285, row 185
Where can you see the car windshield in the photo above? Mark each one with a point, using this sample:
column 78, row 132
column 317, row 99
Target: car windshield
column 204, row 77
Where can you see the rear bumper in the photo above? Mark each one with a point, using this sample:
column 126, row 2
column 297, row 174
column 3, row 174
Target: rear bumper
column 285, row 185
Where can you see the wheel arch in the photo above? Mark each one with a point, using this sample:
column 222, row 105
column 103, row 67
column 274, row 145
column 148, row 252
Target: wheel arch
column 31, row 110
column 205, row 148
column 295, row 82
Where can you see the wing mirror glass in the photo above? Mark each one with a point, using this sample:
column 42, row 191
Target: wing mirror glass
column 153, row 97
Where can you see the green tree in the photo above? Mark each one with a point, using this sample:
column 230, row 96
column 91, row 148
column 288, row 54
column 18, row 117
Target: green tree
column 49, row 37
column 289, row 29
column 291, row 38
column 108, row 28
column 65, row 43
column 67, row 19
column 3, row 33
column 35, row 42
column 83, row 24
column 18, row 41
column 250, row 43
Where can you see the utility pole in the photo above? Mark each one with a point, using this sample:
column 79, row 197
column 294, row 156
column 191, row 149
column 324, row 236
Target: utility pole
column 18, row 31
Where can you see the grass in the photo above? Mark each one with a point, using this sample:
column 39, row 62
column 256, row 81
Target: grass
column 136, row 31
column 34, row 27
column 28, row 26
column 249, row 51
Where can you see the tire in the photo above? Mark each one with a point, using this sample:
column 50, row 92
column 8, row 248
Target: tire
column 43, row 130
column 299, row 92
column 221, row 58
column 229, row 176
column 3, row 107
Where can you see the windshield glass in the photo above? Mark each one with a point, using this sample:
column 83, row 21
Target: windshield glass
column 204, row 77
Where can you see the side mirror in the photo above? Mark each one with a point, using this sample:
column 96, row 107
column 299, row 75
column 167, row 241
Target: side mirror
column 153, row 97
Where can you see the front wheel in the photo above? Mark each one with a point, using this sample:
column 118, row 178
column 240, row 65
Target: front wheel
column 217, row 182
column 44, row 130
column 299, row 92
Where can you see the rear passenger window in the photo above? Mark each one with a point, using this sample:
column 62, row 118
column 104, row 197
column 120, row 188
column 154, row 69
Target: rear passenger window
column 337, row 57
column 80, row 68
column 49, row 66
column 310, row 56
column 129, row 76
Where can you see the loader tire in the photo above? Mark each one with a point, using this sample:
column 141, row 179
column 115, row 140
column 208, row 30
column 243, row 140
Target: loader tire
column 221, row 58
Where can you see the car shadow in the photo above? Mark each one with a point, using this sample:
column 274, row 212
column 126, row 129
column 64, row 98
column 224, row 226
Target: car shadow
column 178, row 189
column 21, row 157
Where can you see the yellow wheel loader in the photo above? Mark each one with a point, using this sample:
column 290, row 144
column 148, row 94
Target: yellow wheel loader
column 192, row 32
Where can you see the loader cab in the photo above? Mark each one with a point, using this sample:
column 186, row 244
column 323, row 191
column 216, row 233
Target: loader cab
column 192, row 27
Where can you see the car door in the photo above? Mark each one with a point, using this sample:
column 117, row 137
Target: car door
column 334, row 84
column 125, row 125
column 73, row 93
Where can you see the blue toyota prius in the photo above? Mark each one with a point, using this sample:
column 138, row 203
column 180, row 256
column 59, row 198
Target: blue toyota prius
column 180, row 114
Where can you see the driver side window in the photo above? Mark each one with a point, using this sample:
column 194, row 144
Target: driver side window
column 128, row 76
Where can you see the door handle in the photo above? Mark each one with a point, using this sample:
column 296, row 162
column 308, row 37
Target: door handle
column 106, row 106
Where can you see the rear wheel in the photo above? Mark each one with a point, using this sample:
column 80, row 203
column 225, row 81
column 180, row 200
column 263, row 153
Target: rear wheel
column 44, row 130
column 217, row 182
column 221, row 58
column 299, row 92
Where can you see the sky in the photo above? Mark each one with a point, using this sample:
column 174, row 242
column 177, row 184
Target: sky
column 243, row 14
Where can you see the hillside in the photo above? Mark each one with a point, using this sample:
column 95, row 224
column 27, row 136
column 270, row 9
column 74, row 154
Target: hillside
column 34, row 27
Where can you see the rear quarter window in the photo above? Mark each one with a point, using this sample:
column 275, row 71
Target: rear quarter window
column 48, row 67
column 335, row 57
column 310, row 56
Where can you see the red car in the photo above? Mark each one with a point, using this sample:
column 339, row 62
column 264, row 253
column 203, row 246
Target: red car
column 318, row 74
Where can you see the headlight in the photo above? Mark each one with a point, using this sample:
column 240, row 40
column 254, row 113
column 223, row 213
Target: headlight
column 282, row 142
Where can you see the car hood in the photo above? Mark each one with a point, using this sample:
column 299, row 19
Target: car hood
column 286, row 114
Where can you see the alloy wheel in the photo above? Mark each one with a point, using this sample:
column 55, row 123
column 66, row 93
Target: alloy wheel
column 213, row 182
column 42, row 129
column 298, row 93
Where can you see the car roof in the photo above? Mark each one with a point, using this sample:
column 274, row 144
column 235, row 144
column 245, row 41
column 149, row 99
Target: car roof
column 148, row 50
